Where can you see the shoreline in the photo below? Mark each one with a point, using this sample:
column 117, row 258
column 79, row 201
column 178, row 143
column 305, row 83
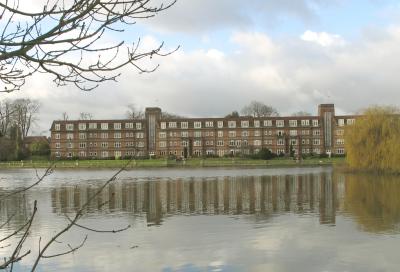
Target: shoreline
column 162, row 163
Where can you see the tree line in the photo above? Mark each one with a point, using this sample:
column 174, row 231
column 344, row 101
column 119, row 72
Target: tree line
column 16, row 120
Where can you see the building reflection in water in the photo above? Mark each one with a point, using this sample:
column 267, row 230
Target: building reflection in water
column 262, row 195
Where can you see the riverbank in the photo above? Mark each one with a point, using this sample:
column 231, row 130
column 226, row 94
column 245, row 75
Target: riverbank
column 209, row 162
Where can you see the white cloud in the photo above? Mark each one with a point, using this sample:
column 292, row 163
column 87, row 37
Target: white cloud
column 290, row 74
column 323, row 38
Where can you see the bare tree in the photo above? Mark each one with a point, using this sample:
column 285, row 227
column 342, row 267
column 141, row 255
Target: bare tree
column 64, row 116
column 5, row 117
column 134, row 113
column 66, row 39
column 25, row 112
column 168, row 115
column 259, row 109
column 233, row 114
column 85, row 116
column 301, row 113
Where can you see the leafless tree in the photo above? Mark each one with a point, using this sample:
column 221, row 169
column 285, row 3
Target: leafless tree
column 5, row 117
column 301, row 113
column 233, row 114
column 259, row 109
column 134, row 113
column 168, row 115
column 67, row 39
column 85, row 116
column 25, row 113
column 64, row 116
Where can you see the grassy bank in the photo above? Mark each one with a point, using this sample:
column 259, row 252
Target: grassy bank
column 210, row 162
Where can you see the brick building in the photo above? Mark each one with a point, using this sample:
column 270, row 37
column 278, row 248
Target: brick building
column 193, row 137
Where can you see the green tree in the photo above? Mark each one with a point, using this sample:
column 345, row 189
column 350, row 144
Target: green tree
column 373, row 142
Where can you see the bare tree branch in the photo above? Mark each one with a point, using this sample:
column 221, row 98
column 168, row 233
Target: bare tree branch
column 67, row 39
column 96, row 230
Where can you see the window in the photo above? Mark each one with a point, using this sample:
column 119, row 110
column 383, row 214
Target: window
column 82, row 145
column 184, row 134
column 280, row 142
column 172, row 124
column 339, row 132
column 220, row 124
column 305, row 132
column 70, row 136
column 268, row 132
column 117, row 125
column 82, row 126
column 197, row 143
column 316, row 132
column 220, row 143
column 293, row 142
column 197, row 124
column 197, row 134
column 209, row 133
column 292, row 123
column 185, row 143
column 117, row 135
column 104, row 154
column 245, row 133
column 57, row 136
column 280, row 151
column 163, row 144
column 58, row 145
column 340, row 141
column 350, row 121
column 139, row 135
column 268, row 142
column 129, row 125
column 244, row 124
column 69, row 126
column 104, row 126
column 163, row 125
column 57, row 126
column 267, row 123
column 140, row 144
column 117, row 154
column 231, row 142
column 117, row 144
column 280, row 132
column 293, row 132
column 257, row 123
column 104, row 135
column 316, row 141
column 257, row 142
column 257, row 133
column 209, row 124
column 82, row 136
column 231, row 124
column 184, row 125
column 315, row 123
column 104, row 145
column 220, row 133
column 70, row 145
column 340, row 151
column 316, row 150
column 232, row 134
column 139, row 126
column 280, row 123
column 162, row 135
column 172, row 134
column 305, row 141
column 129, row 135
column 92, row 125
column 305, row 123
column 341, row 122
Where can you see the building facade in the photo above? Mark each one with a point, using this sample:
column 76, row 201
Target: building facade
column 195, row 137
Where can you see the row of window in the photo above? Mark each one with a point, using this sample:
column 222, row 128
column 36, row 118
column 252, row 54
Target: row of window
column 243, row 124
column 103, row 135
column 102, row 145
column 102, row 154
column 103, row 126
column 279, row 142
column 233, row 133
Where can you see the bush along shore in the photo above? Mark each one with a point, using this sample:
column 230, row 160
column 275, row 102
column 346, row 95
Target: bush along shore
column 194, row 162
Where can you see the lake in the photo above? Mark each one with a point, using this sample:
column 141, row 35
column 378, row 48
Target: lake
column 208, row 219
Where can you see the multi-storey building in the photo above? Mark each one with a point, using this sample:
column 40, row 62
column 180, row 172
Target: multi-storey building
column 193, row 137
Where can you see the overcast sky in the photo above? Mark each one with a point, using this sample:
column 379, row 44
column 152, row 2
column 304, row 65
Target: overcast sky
column 291, row 54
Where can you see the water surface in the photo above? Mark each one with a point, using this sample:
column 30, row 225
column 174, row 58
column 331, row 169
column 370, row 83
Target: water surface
column 289, row 219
